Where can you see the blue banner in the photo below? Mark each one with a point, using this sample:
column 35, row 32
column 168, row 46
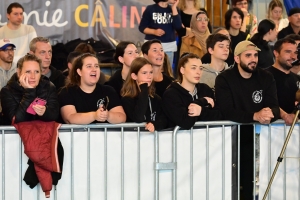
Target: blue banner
column 289, row 4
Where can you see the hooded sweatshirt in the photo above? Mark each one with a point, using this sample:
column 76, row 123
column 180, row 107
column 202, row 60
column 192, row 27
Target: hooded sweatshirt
column 177, row 99
column 209, row 75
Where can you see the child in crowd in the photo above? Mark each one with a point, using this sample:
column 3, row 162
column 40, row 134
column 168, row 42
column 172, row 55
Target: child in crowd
column 125, row 53
column 84, row 100
column 159, row 21
column 187, row 101
column 139, row 101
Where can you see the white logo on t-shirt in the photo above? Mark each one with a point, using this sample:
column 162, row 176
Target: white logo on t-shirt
column 257, row 96
column 100, row 102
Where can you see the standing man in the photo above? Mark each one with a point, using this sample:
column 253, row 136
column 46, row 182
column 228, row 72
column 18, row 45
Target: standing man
column 19, row 34
column 294, row 25
column 247, row 94
column 287, row 83
column 42, row 49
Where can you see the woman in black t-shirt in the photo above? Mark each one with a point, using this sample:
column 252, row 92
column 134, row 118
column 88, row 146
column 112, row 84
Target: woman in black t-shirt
column 84, row 101
column 140, row 102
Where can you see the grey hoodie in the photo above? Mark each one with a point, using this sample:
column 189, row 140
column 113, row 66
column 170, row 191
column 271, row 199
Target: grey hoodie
column 209, row 75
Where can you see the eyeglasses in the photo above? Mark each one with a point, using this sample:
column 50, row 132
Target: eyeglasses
column 241, row 3
column 8, row 50
column 202, row 19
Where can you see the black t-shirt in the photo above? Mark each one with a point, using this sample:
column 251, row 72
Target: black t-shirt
column 116, row 82
column 88, row 102
column 236, row 39
column 287, row 86
column 160, row 87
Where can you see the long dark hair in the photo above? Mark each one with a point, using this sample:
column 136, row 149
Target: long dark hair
column 130, row 87
column 263, row 28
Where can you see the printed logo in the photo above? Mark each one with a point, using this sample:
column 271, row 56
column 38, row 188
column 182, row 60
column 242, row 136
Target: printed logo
column 257, row 96
column 298, row 84
column 160, row 18
column 100, row 102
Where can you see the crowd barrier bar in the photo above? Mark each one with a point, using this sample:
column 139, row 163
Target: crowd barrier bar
column 158, row 166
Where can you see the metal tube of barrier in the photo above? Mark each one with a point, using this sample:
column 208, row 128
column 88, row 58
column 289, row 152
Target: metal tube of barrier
column 156, row 153
column 20, row 168
column 269, row 157
column 284, row 167
column 105, row 163
column 174, row 158
column 238, row 163
column 207, row 162
column 191, row 163
column 122, row 163
column 72, row 164
column 223, row 162
column 3, row 166
column 88, row 163
column 254, row 162
column 139, row 163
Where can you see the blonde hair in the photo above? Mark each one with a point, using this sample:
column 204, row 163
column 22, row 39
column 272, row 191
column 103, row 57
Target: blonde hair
column 181, row 5
column 272, row 5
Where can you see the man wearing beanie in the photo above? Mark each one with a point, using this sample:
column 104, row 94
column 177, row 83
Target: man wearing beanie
column 294, row 25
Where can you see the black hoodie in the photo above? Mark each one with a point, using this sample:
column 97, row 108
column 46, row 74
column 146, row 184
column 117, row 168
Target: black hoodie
column 177, row 99
column 138, row 109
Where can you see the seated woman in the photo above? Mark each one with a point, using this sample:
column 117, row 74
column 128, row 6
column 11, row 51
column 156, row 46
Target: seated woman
column 266, row 33
column 125, row 53
column 84, row 100
column 23, row 88
column 194, row 41
column 187, row 101
column 139, row 101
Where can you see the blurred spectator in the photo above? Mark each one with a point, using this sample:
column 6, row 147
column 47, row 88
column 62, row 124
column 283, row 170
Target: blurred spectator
column 160, row 21
column 275, row 13
column 195, row 39
column 249, row 25
column 233, row 22
column 166, row 67
column 294, row 24
column 125, row 53
column 19, row 34
column 266, row 33
column 71, row 57
column 84, row 100
column 42, row 49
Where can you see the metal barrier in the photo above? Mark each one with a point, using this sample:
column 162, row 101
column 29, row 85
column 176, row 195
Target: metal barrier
column 92, row 176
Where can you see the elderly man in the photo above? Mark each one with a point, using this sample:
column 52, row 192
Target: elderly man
column 247, row 94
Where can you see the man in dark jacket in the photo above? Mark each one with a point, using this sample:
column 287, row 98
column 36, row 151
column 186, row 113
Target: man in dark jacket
column 294, row 25
column 247, row 94
column 42, row 49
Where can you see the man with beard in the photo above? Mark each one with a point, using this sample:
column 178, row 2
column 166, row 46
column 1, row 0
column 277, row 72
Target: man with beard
column 287, row 83
column 7, row 66
column 246, row 94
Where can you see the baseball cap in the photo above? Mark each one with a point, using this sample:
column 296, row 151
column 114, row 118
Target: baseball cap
column 244, row 46
column 5, row 43
column 294, row 11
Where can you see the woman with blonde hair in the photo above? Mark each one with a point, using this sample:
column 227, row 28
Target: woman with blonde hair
column 275, row 13
column 139, row 100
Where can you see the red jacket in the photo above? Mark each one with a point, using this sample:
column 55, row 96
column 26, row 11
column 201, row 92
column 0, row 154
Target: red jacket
column 40, row 145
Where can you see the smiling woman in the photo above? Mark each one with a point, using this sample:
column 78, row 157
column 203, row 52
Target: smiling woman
column 84, row 100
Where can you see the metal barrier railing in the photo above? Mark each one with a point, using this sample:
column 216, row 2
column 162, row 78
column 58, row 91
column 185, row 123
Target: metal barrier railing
column 172, row 166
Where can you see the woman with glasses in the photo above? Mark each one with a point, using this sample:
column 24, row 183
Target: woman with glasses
column 125, row 53
column 83, row 100
column 249, row 25
column 139, row 100
column 186, row 100
column 195, row 40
